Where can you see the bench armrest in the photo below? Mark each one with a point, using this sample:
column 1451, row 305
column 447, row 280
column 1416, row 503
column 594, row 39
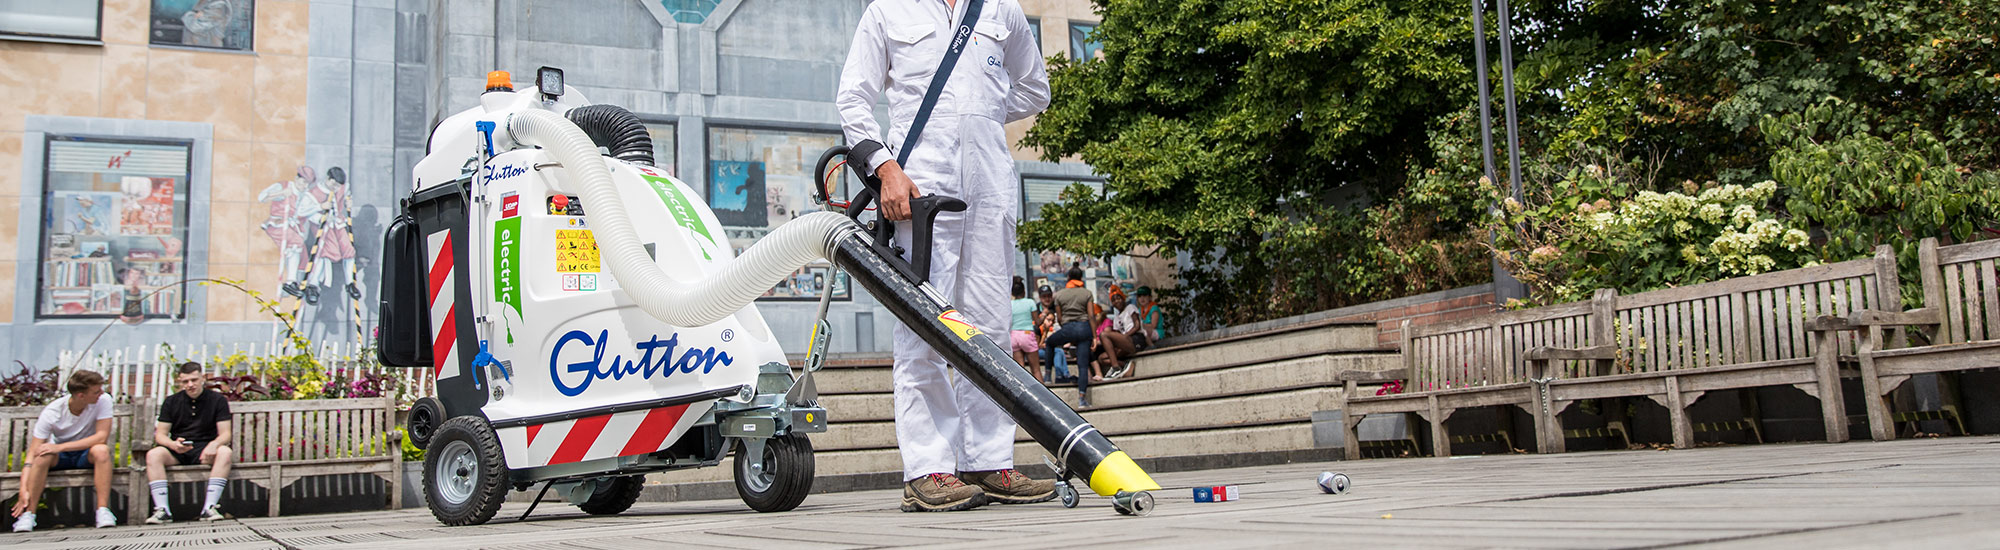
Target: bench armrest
column 1546, row 353
column 1875, row 318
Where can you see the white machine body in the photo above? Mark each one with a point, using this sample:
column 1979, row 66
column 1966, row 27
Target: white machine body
column 570, row 345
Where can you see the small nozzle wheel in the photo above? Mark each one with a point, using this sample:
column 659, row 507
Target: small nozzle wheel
column 1067, row 493
column 1133, row 504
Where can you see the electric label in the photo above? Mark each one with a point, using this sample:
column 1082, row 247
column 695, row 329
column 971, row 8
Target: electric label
column 506, row 275
column 684, row 213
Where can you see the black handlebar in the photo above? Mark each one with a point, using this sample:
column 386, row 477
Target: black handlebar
column 923, row 216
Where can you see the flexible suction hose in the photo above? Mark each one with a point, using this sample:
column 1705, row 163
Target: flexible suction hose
column 617, row 129
column 680, row 303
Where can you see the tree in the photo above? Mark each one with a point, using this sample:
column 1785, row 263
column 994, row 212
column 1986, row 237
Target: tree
column 1246, row 133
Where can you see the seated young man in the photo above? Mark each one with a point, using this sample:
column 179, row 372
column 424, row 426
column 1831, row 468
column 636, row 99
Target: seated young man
column 193, row 428
column 70, row 435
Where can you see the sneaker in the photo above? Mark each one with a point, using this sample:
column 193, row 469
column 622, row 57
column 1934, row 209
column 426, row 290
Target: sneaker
column 1011, row 487
column 211, row 513
column 941, row 493
column 160, row 516
column 105, row 518
column 26, row 523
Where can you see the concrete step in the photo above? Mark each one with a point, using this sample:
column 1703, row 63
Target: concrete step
column 1257, row 409
column 1271, row 438
column 850, row 380
column 1330, row 369
column 1257, row 348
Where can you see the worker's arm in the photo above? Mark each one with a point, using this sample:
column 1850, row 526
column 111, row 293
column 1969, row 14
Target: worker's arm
column 861, row 82
column 1030, row 92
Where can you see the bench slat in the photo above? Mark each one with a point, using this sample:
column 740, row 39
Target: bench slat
column 1990, row 297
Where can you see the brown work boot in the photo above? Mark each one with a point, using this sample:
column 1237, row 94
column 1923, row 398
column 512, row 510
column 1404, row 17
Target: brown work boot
column 941, row 493
column 1011, row 487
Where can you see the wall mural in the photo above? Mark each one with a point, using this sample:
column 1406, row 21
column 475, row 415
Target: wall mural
column 312, row 218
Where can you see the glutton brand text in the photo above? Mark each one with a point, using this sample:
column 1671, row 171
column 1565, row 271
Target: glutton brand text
column 594, row 368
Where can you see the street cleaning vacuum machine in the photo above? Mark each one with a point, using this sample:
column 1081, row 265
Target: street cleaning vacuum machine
column 589, row 323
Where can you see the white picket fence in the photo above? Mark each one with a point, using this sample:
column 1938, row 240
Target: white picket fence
column 149, row 370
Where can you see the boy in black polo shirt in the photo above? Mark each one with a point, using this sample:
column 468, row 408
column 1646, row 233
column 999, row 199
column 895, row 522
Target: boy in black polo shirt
column 193, row 428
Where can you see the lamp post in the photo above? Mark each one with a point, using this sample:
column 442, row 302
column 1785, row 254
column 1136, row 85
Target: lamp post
column 1505, row 286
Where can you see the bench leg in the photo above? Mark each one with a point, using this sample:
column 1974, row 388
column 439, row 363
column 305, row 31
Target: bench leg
column 1827, row 370
column 1879, row 425
column 1677, row 416
column 139, row 497
column 277, row 486
column 1440, row 438
column 1353, row 440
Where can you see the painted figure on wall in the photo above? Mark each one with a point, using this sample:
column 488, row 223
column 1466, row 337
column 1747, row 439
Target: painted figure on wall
column 291, row 203
column 335, row 238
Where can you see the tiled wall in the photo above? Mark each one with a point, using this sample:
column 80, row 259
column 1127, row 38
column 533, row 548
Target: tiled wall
column 255, row 102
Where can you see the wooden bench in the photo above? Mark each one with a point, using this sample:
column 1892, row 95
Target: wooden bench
column 127, row 432
column 1468, row 364
column 280, row 442
column 1677, row 345
column 1961, row 316
column 1672, row 346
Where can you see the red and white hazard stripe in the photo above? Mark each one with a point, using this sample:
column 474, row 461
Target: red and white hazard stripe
column 602, row 436
column 444, row 314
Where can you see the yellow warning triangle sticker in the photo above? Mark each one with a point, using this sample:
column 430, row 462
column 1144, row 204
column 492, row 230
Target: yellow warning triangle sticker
column 952, row 320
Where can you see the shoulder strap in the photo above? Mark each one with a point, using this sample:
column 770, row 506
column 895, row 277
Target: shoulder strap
column 959, row 37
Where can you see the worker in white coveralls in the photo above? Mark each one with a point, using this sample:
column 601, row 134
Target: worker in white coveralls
column 957, row 444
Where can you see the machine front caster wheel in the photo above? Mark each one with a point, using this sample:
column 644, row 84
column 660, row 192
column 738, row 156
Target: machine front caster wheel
column 1067, row 493
column 1133, row 504
column 465, row 475
column 780, row 479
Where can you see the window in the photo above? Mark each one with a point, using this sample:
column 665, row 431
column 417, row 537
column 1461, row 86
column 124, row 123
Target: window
column 1051, row 267
column 1035, row 25
column 1081, row 45
column 41, row 18
column 114, row 225
column 218, row 24
column 666, row 152
column 760, row 178
column 692, row 12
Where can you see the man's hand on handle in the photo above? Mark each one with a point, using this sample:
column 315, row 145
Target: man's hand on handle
column 897, row 190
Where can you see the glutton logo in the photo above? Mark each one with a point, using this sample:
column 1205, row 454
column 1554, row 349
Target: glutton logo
column 593, row 367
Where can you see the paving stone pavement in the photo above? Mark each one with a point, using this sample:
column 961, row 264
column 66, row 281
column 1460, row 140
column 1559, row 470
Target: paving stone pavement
column 1923, row 493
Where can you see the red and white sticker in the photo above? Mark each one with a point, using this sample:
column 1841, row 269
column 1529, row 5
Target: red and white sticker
column 956, row 322
column 510, row 205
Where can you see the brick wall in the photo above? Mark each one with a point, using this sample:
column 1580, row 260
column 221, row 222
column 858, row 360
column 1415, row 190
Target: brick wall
column 1388, row 316
column 1434, row 309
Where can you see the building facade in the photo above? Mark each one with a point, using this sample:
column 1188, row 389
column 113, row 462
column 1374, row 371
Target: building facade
column 268, row 142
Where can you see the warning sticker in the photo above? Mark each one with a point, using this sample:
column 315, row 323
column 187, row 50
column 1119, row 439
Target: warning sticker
column 576, row 251
column 952, row 320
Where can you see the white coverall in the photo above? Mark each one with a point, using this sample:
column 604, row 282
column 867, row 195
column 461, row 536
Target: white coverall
column 943, row 423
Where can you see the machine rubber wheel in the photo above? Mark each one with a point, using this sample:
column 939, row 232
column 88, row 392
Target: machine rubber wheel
column 1068, row 494
column 779, row 480
column 613, row 495
column 423, row 422
column 465, row 476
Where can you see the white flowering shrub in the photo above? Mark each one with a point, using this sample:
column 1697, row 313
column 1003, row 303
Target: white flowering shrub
column 1647, row 241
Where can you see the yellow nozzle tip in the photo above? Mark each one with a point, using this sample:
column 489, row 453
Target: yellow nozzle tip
column 1118, row 473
